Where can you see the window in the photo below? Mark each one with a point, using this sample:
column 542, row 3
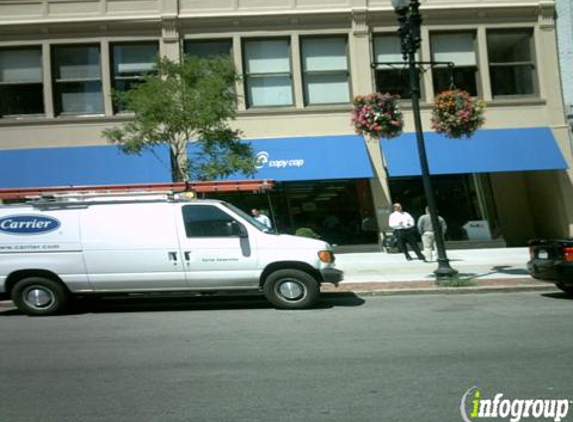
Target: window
column 511, row 65
column 268, row 73
column 208, row 48
column 392, row 78
column 21, row 88
column 77, row 79
column 325, row 70
column 458, row 49
column 207, row 221
column 129, row 63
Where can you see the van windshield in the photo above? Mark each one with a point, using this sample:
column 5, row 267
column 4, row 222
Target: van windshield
column 249, row 218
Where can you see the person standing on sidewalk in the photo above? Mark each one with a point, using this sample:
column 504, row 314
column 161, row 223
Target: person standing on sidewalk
column 261, row 218
column 403, row 225
column 428, row 233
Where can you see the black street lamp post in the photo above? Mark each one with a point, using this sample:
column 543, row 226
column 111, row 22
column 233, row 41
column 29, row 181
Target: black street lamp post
column 410, row 20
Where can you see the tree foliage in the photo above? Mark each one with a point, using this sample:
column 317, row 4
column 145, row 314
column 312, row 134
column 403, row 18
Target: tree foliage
column 190, row 101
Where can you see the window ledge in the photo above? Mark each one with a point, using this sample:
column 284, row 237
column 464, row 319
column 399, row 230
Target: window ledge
column 269, row 111
column 516, row 101
column 43, row 121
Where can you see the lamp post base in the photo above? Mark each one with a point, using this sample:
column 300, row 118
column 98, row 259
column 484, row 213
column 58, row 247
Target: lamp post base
column 444, row 271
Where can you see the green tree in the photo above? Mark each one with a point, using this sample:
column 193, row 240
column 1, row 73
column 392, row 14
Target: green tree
column 190, row 101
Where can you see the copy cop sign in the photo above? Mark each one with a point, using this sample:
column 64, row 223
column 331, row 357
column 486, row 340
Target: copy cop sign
column 263, row 159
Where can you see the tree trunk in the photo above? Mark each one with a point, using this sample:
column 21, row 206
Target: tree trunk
column 179, row 163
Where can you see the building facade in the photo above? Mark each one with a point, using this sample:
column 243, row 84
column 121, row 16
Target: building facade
column 564, row 10
column 302, row 62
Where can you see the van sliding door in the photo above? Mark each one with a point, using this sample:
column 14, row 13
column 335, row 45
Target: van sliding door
column 132, row 247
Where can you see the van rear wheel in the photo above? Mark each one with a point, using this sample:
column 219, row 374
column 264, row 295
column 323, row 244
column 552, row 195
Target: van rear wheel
column 291, row 289
column 39, row 296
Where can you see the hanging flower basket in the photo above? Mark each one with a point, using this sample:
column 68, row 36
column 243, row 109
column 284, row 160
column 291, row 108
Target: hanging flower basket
column 456, row 114
column 377, row 115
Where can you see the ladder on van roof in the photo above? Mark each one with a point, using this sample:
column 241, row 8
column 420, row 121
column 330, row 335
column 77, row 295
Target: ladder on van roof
column 254, row 186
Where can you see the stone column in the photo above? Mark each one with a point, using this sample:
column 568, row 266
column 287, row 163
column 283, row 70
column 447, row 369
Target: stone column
column 360, row 46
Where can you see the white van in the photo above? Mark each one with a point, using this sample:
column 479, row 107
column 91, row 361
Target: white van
column 97, row 244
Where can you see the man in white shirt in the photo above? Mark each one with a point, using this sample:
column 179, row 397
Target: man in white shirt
column 405, row 231
column 261, row 218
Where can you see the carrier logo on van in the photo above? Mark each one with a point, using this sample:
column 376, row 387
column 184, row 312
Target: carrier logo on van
column 28, row 224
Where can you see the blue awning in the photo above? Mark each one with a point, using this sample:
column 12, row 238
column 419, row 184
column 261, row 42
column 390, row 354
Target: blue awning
column 309, row 158
column 489, row 151
column 281, row 159
column 76, row 166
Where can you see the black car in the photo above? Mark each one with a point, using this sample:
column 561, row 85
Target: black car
column 552, row 261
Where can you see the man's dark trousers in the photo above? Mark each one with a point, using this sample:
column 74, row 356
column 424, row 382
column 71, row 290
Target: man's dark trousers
column 408, row 236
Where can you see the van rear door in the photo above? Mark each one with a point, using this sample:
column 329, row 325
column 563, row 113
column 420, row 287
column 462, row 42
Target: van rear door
column 215, row 253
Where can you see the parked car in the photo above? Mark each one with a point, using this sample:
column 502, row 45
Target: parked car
column 52, row 250
column 552, row 261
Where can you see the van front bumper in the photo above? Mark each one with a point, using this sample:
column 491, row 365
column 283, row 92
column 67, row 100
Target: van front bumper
column 332, row 275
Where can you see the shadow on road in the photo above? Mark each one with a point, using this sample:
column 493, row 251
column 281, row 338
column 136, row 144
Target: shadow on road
column 506, row 269
column 163, row 304
column 498, row 269
column 558, row 295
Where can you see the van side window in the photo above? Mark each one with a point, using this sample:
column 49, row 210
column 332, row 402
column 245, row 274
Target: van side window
column 206, row 221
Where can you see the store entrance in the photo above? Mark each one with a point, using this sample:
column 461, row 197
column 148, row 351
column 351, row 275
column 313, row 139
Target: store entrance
column 338, row 211
column 460, row 199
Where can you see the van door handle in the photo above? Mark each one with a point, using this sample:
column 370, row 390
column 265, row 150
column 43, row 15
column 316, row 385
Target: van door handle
column 187, row 255
column 172, row 256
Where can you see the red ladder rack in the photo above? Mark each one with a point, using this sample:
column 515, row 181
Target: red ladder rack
column 199, row 187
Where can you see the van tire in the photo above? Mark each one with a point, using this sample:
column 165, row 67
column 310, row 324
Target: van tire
column 291, row 289
column 38, row 296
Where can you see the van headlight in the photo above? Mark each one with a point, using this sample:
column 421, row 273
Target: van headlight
column 326, row 256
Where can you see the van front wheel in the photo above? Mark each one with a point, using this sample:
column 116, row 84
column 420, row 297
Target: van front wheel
column 39, row 296
column 291, row 289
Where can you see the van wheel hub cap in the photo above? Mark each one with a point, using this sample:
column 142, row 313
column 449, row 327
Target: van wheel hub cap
column 38, row 297
column 291, row 290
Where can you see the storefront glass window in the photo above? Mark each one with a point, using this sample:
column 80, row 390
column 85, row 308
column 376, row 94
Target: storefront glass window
column 339, row 211
column 457, row 198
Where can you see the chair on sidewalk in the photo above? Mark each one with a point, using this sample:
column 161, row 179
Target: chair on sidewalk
column 390, row 242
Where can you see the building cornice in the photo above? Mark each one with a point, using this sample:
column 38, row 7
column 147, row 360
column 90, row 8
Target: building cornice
column 544, row 8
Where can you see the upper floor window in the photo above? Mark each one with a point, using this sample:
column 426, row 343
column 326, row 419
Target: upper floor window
column 268, row 79
column 129, row 62
column 325, row 70
column 511, row 63
column 77, row 79
column 391, row 75
column 208, row 48
column 459, row 49
column 21, row 87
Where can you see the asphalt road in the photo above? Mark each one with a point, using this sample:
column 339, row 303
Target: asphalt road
column 407, row 358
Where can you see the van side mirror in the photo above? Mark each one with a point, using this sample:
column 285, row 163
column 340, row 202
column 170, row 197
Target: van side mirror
column 237, row 229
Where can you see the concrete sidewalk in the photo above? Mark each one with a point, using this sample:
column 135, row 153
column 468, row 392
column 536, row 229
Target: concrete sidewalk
column 500, row 269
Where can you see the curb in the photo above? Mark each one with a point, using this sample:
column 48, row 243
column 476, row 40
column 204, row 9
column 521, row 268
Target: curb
column 419, row 287
column 449, row 290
